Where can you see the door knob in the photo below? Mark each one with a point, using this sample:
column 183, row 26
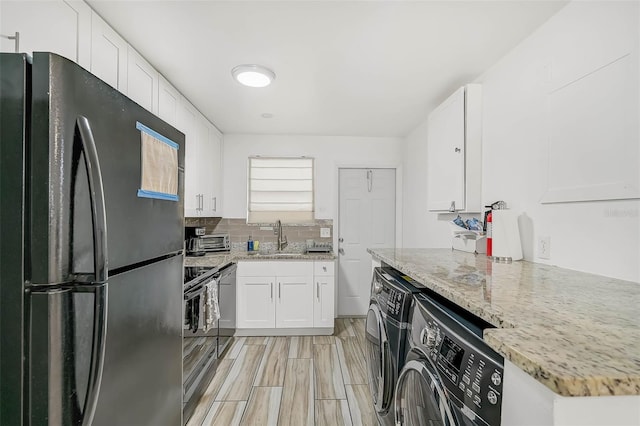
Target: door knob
column 341, row 250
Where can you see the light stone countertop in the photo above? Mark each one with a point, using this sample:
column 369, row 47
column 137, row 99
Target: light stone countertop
column 576, row 333
column 220, row 259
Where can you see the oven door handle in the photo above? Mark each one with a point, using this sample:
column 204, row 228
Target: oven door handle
column 194, row 292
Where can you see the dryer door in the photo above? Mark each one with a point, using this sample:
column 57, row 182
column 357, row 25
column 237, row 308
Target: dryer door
column 420, row 397
column 379, row 363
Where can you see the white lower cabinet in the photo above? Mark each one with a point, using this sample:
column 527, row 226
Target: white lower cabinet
column 294, row 307
column 284, row 295
column 256, row 307
column 324, row 297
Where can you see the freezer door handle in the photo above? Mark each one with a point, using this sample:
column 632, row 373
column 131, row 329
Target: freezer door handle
column 96, row 193
column 101, row 297
column 51, row 377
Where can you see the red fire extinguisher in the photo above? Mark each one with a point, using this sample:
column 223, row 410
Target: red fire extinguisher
column 489, row 238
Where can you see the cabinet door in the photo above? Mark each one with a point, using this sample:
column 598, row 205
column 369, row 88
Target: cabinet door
column 215, row 170
column 324, row 301
column 142, row 81
column 256, row 307
column 109, row 54
column 187, row 125
column 168, row 100
column 294, row 302
column 202, row 165
column 62, row 27
column 446, row 154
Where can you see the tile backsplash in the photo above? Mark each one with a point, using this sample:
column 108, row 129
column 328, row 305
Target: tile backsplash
column 239, row 231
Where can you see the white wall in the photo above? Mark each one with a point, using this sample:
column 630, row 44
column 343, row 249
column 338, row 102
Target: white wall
column 601, row 237
column 330, row 152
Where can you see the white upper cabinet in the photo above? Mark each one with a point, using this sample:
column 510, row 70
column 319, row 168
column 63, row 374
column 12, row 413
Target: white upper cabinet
column 214, row 166
column 202, row 162
column 203, row 182
column 109, row 54
column 186, row 123
column 62, row 27
column 168, row 100
column 142, row 81
column 454, row 150
column 71, row 29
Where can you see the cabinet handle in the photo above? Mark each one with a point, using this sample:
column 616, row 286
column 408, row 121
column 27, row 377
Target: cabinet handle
column 215, row 204
column 452, row 207
column 271, row 291
column 457, row 150
column 279, row 290
column 318, row 290
column 15, row 38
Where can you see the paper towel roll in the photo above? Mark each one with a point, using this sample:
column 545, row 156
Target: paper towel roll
column 506, row 235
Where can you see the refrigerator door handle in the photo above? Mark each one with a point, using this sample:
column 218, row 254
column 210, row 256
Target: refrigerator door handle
column 100, row 304
column 96, row 191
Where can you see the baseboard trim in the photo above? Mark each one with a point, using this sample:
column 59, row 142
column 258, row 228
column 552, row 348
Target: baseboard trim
column 328, row 331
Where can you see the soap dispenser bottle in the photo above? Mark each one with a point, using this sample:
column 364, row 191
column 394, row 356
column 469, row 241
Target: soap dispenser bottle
column 250, row 244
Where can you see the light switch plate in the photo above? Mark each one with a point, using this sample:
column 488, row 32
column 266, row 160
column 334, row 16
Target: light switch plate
column 325, row 232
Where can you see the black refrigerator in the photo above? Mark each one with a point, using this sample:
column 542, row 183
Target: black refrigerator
column 91, row 251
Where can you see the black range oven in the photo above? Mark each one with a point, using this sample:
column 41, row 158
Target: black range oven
column 204, row 342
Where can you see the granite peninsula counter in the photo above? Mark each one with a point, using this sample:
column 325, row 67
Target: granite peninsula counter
column 576, row 333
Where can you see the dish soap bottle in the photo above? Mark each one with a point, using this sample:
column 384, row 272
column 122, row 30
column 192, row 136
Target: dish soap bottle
column 249, row 244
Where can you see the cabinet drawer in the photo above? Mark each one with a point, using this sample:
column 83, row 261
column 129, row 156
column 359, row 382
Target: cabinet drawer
column 292, row 268
column 323, row 268
column 255, row 269
column 281, row 268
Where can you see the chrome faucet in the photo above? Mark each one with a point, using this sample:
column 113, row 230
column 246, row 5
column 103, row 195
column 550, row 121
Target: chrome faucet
column 282, row 241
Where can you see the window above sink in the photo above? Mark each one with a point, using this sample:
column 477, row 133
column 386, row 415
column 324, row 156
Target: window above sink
column 281, row 188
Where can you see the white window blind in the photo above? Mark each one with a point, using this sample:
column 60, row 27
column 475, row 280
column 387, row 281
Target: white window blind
column 280, row 188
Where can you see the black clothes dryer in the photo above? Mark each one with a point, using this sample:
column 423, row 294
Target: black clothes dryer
column 386, row 328
column 450, row 376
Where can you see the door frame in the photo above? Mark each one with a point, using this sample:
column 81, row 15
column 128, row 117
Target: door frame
column 336, row 214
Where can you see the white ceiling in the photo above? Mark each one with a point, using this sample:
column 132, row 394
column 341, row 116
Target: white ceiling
column 360, row 68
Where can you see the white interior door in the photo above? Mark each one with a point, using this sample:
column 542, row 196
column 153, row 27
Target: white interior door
column 367, row 207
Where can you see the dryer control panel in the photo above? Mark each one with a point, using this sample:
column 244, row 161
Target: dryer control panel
column 394, row 296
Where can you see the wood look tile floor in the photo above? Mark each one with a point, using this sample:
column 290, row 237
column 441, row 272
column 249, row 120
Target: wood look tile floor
column 297, row 381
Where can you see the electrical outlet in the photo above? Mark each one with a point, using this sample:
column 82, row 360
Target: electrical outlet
column 544, row 247
column 325, row 232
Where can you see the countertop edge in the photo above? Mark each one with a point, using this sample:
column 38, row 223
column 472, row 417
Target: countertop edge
column 564, row 384
column 220, row 259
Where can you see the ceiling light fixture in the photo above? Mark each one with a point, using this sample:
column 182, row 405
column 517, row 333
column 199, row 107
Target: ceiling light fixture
column 253, row 75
